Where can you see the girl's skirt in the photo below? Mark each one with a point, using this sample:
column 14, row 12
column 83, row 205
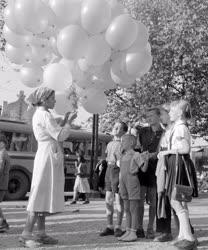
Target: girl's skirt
column 181, row 178
column 81, row 185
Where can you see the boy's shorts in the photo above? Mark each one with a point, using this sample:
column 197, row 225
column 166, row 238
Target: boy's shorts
column 2, row 194
column 112, row 178
column 129, row 187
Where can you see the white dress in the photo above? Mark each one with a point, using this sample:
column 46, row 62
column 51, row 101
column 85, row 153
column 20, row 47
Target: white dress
column 47, row 188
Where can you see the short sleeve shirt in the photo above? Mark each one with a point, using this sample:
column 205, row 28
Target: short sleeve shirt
column 130, row 162
column 112, row 150
column 180, row 132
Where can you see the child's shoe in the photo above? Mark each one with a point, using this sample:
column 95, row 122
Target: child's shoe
column 4, row 226
column 130, row 237
column 73, row 202
column 124, row 235
column 29, row 241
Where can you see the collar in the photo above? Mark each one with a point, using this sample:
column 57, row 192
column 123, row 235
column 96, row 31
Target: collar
column 117, row 139
column 129, row 152
column 179, row 122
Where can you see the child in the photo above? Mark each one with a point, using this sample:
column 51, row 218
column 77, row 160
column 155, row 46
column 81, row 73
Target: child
column 179, row 143
column 4, row 179
column 129, row 186
column 81, row 184
column 112, row 182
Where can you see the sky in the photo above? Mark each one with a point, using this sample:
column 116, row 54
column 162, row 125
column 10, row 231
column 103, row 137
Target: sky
column 10, row 86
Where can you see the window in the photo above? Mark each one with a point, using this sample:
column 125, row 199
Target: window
column 71, row 147
column 18, row 141
column 89, row 148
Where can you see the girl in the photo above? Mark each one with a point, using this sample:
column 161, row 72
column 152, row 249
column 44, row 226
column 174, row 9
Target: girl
column 81, row 184
column 179, row 142
column 47, row 187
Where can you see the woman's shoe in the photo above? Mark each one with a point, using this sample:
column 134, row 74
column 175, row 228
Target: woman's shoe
column 46, row 239
column 29, row 241
column 186, row 245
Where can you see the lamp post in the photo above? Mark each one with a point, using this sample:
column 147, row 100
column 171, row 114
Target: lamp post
column 94, row 148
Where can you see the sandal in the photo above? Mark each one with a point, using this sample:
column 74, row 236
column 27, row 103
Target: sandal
column 29, row 241
column 46, row 239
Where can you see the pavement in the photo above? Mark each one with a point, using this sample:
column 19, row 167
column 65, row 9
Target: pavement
column 79, row 226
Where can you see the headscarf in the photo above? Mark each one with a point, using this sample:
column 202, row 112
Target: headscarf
column 39, row 96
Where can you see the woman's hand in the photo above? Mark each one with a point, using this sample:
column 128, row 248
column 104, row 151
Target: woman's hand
column 71, row 116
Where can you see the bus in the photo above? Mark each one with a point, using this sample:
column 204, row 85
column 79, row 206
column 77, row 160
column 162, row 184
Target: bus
column 22, row 147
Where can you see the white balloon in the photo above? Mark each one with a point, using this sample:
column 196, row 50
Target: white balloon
column 119, row 73
column 67, row 11
column 137, row 64
column 31, row 76
column 18, row 55
column 34, row 40
column 56, row 76
column 40, row 56
column 117, row 9
column 141, row 40
column 94, row 101
column 81, row 78
column 104, row 76
column 95, row 15
column 72, row 42
column 69, row 64
column 14, row 39
column 31, row 15
column 98, row 51
column 53, row 46
column 122, row 32
column 11, row 20
column 64, row 102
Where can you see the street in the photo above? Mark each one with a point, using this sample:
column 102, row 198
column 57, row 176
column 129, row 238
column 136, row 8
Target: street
column 79, row 226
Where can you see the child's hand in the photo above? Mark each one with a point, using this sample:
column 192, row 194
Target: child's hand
column 146, row 155
column 162, row 153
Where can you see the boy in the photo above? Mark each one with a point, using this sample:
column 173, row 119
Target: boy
column 129, row 187
column 4, row 179
column 112, row 182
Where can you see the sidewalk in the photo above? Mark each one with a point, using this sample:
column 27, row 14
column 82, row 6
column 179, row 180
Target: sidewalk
column 79, row 226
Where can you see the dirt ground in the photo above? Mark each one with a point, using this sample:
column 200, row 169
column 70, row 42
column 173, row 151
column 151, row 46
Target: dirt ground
column 79, row 226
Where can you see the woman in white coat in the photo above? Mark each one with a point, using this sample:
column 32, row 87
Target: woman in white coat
column 47, row 187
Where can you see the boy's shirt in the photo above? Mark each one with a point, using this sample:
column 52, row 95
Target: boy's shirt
column 113, row 149
column 130, row 162
column 4, row 170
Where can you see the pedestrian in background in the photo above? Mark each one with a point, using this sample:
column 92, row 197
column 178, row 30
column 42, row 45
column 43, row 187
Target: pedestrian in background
column 4, row 179
column 81, row 184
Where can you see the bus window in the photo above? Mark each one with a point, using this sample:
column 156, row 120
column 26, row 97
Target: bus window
column 71, row 147
column 89, row 149
column 8, row 136
column 20, row 142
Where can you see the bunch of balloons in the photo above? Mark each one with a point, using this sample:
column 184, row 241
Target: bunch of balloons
column 94, row 45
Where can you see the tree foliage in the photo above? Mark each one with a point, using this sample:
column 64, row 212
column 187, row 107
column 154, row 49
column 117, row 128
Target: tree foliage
column 179, row 40
column 3, row 4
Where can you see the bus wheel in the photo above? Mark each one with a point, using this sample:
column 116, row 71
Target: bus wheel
column 18, row 185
